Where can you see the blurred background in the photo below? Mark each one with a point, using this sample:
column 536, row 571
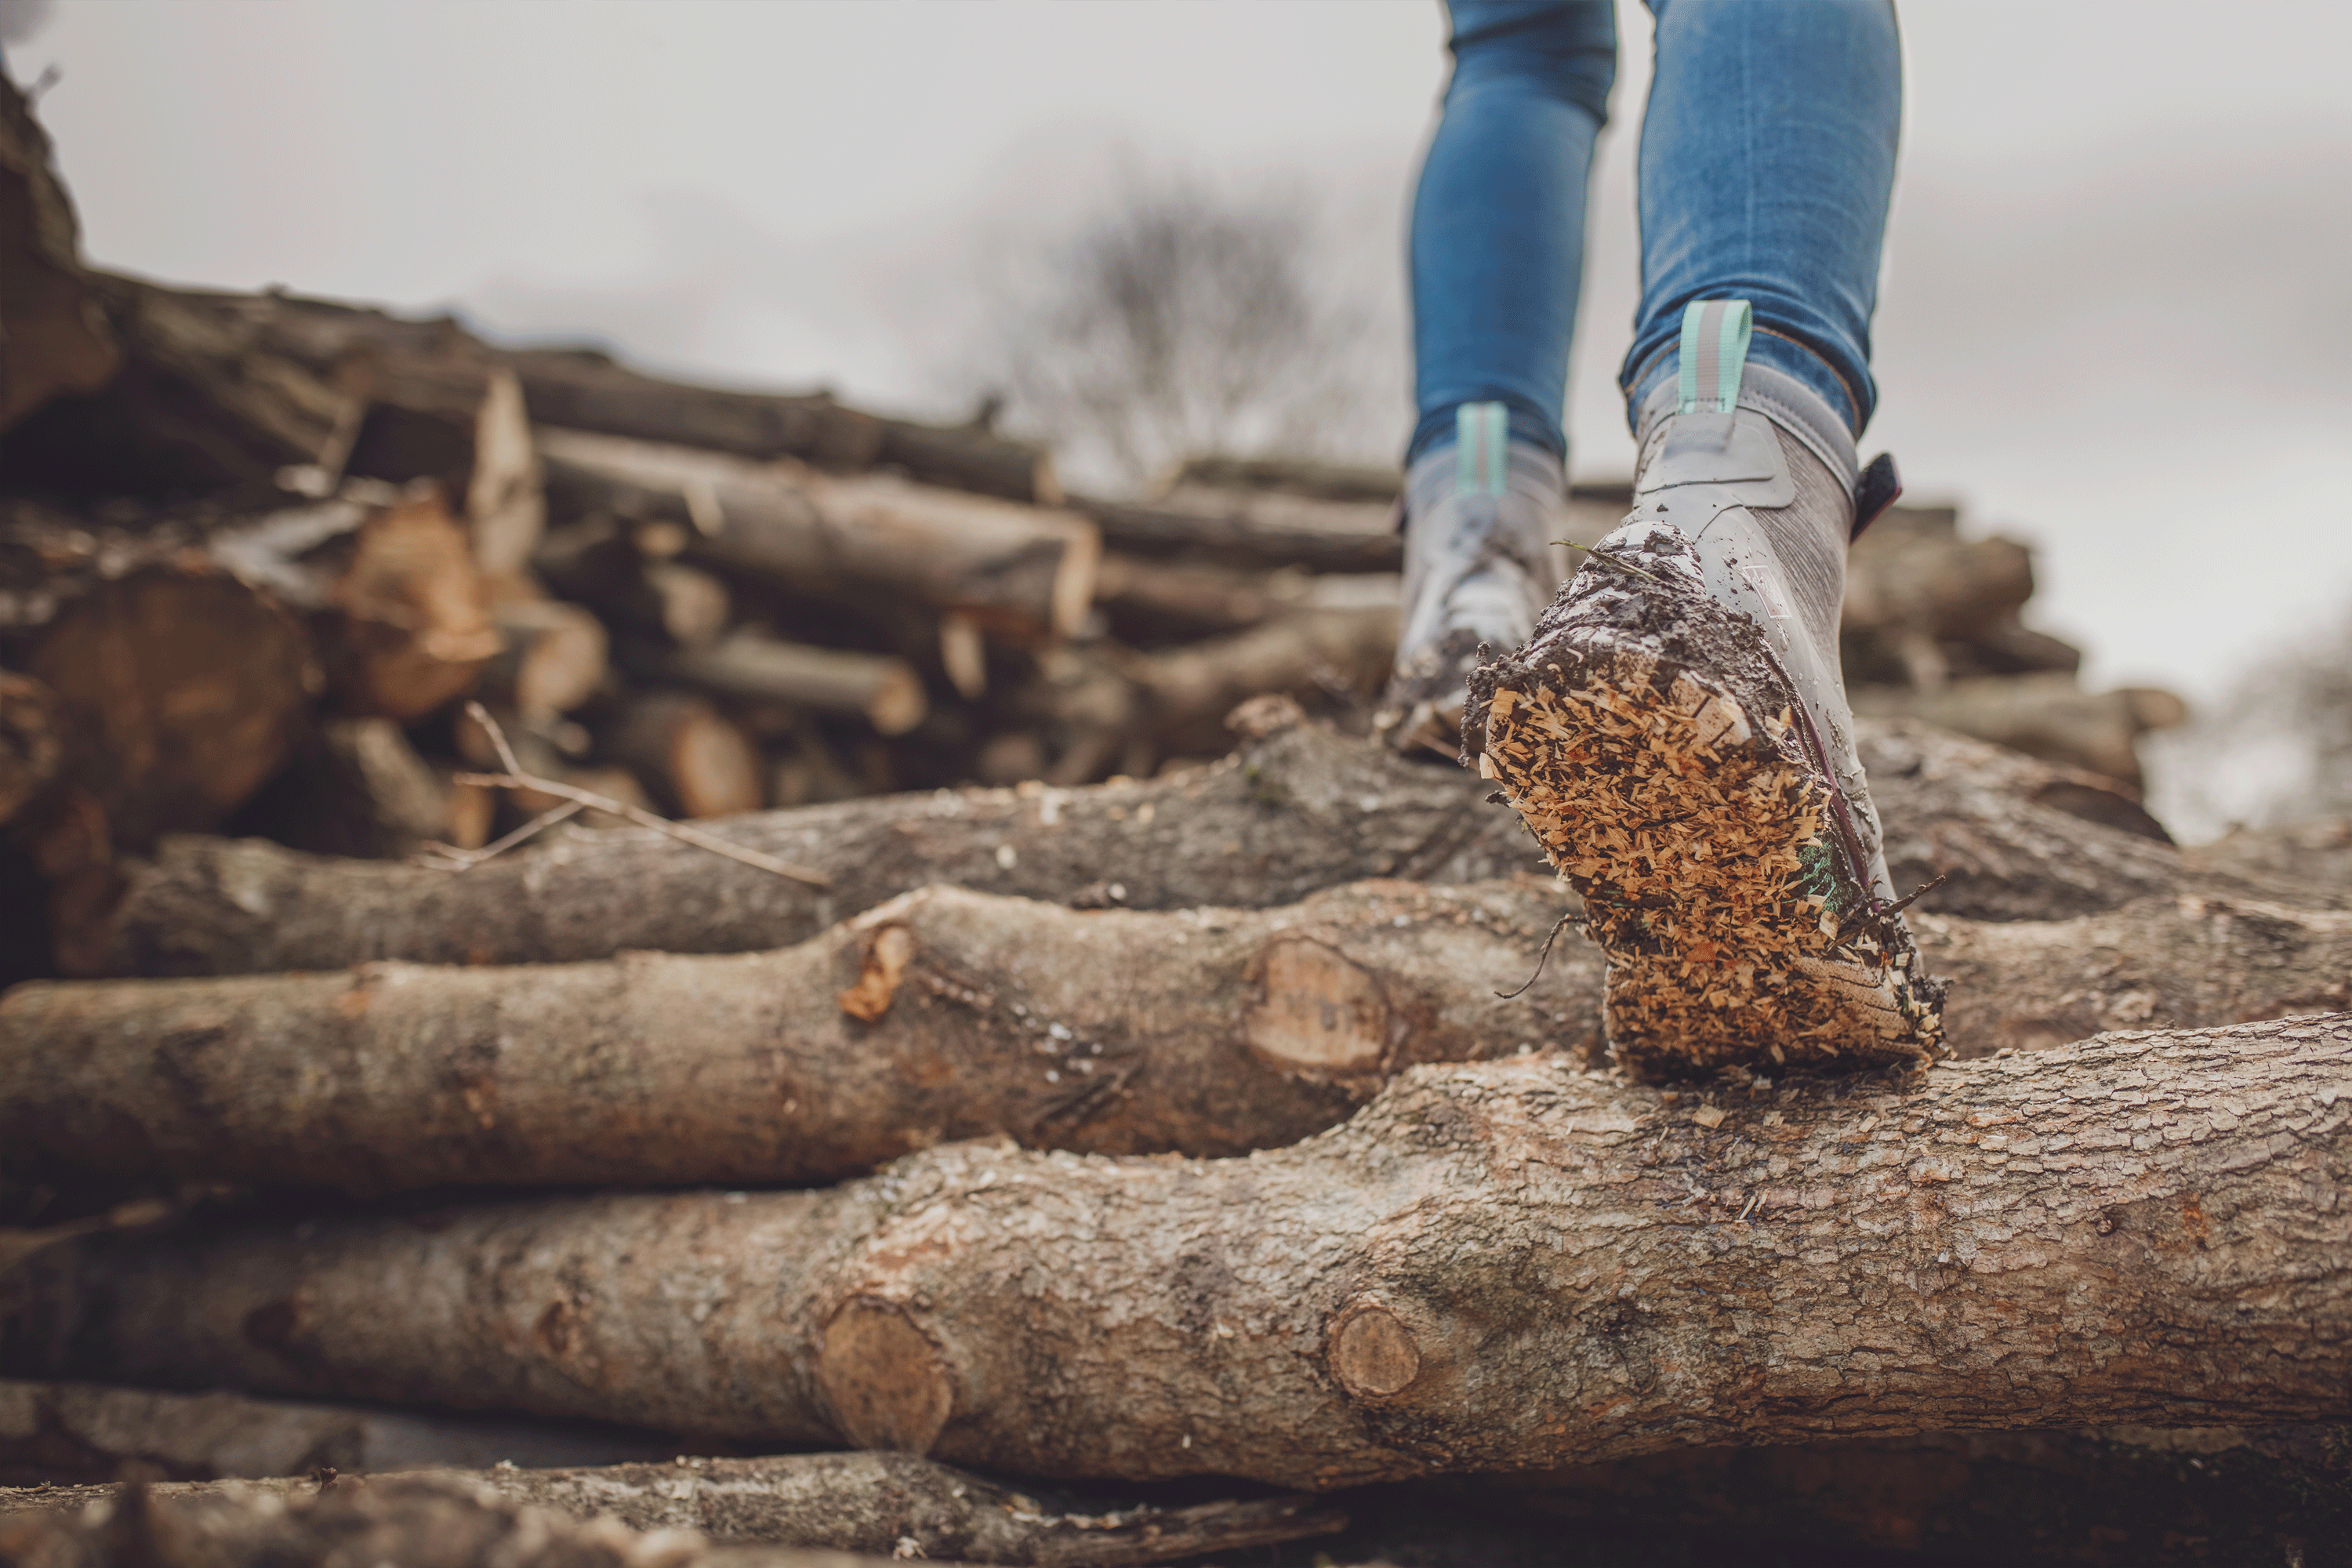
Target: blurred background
column 2112, row 325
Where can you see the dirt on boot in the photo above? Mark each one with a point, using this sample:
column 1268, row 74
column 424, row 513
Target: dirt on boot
column 1653, row 745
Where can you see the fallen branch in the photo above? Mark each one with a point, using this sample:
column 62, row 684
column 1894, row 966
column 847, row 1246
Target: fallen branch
column 1497, row 1265
column 885, row 1505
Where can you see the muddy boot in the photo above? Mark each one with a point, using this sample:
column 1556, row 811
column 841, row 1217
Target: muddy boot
column 1480, row 518
column 1676, row 735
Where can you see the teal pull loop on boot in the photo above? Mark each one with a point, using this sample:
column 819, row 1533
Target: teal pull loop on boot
column 1480, row 516
column 1676, row 735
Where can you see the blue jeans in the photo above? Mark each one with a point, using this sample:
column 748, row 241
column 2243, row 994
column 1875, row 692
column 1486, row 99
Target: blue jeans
column 1767, row 161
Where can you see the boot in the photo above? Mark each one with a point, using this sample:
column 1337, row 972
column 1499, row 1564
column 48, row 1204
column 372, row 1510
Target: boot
column 1676, row 735
column 1480, row 516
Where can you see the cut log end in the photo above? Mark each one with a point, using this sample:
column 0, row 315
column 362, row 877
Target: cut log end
column 1372, row 1354
column 886, row 1382
column 1316, row 1011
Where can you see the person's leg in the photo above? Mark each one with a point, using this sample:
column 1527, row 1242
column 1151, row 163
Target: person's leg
column 1498, row 238
column 1676, row 732
column 1768, row 160
column 1498, row 246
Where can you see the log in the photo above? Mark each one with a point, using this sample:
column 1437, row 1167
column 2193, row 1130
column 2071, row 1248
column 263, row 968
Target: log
column 943, row 1014
column 2315, row 855
column 1308, row 653
column 2046, row 716
column 1022, row 570
column 401, row 611
column 185, row 689
column 884, row 1504
column 598, row 561
column 1914, row 584
column 441, row 1520
column 554, row 659
column 1496, row 1266
column 85, row 1432
column 1290, row 476
column 1220, row 529
column 196, row 405
column 1149, row 601
column 32, row 741
column 584, row 389
column 884, row 691
column 54, row 340
column 1298, row 808
column 697, row 761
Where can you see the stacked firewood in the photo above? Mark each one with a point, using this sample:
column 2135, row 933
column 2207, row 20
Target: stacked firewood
column 623, row 933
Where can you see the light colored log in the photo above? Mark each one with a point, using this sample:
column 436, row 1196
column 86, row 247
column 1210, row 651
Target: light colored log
column 1018, row 570
column 2046, row 716
column 554, row 659
column 883, row 691
column 2136, row 1229
column 1297, row 809
column 186, row 690
column 696, row 760
column 944, row 1014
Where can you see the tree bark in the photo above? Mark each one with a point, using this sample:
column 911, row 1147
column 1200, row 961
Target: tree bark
column 403, row 616
column 84, row 1432
column 1232, row 533
column 1307, row 652
column 595, row 561
column 1152, row 602
column 585, row 389
column 883, row 691
column 1023, row 570
column 1298, row 808
column 53, row 337
column 195, row 404
column 554, row 658
column 1496, row 1266
column 941, row 1015
column 2046, row 716
column 875, row 1503
column 697, row 761
column 949, row 1014
column 185, row 691
column 446, row 1520
column 32, row 741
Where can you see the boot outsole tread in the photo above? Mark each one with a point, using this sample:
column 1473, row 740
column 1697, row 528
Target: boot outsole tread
column 1702, row 841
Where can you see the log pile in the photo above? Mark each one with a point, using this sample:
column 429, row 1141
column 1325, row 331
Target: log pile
column 580, row 932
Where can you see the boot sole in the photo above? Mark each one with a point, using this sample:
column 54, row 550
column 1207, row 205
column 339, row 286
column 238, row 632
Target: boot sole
column 1701, row 839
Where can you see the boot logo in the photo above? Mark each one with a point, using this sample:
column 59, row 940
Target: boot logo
column 1767, row 587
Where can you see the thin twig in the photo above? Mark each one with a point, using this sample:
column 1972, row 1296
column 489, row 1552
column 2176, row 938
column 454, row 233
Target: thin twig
column 1611, row 560
column 516, row 778
column 1571, row 917
column 462, row 859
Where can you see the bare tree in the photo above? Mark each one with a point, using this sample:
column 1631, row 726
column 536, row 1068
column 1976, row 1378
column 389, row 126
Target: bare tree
column 2277, row 750
column 1178, row 318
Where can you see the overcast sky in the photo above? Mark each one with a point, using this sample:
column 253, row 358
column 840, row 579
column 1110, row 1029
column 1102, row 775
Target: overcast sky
column 2114, row 319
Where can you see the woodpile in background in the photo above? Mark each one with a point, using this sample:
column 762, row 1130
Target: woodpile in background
column 1051, row 1037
